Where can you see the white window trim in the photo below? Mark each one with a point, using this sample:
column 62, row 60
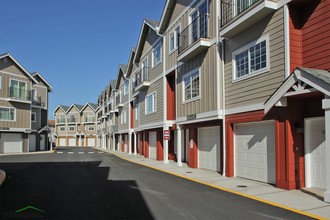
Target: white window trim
column 193, row 10
column 60, row 129
column 14, row 114
column 35, row 117
column 74, row 129
column 158, row 45
column 183, row 86
column 175, row 39
column 124, row 88
column 137, row 111
column 244, row 48
column 91, row 126
column 36, row 93
column 123, row 117
column 146, row 103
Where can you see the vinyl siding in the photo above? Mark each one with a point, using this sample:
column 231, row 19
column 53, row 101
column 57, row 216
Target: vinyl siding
column 257, row 89
column 157, row 116
column 5, row 80
column 23, row 115
column 122, row 127
column 11, row 67
column 42, row 92
column 208, row 85
column 36, row 125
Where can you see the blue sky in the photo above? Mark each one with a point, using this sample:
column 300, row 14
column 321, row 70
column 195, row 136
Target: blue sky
column 74, row 44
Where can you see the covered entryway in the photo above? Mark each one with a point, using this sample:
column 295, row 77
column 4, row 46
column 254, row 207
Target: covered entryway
column 72, row 142
column 152, row 145
column 91, row 142
column 42, row 142
column 11, row 143
column 315, row 153
column 32, row 143
column 209, row 148
column 255, row 151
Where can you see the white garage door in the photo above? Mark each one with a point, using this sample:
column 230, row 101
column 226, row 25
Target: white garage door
column 255, row 151
column 32, row 142
column 209, row 148
column 152, row 145
column 72, row 142
column 11, row 143
column 91, row 142
column 42, row 142
column 62, row 142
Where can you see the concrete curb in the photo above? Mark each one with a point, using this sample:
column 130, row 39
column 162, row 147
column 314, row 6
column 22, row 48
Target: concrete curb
column 2, row 177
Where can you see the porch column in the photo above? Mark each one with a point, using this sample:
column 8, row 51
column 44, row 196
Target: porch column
column 130, row 142
column 178, row 145
column 326, row 107
column 120, row 142
column 85, row 144
column 114, row 142
column 165, row 144
column 135, row 144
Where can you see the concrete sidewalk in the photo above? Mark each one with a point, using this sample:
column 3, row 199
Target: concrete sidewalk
column 304, row 201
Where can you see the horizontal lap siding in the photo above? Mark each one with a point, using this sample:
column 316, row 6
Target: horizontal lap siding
column 35, row 125
column 208, row 90
column 158, row 116
column 256, row 89
column 316, row 38
column 120, row 125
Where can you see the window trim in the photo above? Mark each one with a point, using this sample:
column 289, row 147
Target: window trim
column 184, row 101
column 246, row 47
column 35, row 117
column 26, row 84
column 89, row 126
column 74, row 129
column 158, row 45
column 126, row 87
column 175, row 31
column 154, row 104
column 123, row 119
column 60, row 129
column 137, row 111
column 5, row 107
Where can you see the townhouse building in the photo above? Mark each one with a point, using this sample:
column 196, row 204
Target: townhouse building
column 23, row 108
column 76, row 125
column 241, row 87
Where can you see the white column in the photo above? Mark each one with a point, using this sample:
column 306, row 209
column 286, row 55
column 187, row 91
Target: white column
column 165, row 144
column 85, row 141
column 326, row 107
column 178, row 146
column 113, row 142
column 130, row 142
column 135, row 144
column 119, row 143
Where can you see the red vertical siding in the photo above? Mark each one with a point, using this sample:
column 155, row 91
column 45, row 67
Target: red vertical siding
column 193, row 150
column 146, row 145
column 170, row 90
column 159, row 145
column 295, row 39
column 131, row 109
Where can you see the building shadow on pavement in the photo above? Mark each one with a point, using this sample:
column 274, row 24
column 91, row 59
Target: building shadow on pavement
column 68, row 191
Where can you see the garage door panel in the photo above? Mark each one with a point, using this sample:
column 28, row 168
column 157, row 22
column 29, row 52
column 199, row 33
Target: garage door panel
column 11, row 143
column 72, row 142
column 62, row 142
column 209, row 147
column 91, row 142
column 255, row 151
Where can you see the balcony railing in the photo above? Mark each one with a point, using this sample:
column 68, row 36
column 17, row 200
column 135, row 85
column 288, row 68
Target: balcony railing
column 61, row 120
column 90, row 119
column 37, row 101
column 71, row 120
column 196, row 30
column 141, row 79
column 21, row 94
column 231, row 9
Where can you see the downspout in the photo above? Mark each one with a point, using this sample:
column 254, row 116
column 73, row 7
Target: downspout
column 286, row 41
column 223, row 106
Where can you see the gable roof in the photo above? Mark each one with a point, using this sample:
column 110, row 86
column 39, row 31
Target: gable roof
column 113, row 84
column 92, row 105
column 130, row 62
column 63, row 107
column 20, row 66
column 121, row 71
column 317, row 79
column 146, row 24
column 166, row 15
column 43, row 79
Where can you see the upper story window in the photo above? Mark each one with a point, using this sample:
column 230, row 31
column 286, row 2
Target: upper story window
column 62, row 129
column 123, row 116
column 150, row 103
column 251, row 59
column 18, row 89
column 33, row 117
column 7, row 114
column 72, row 118
column 191, row 87
column 126, row 85
column 90, row 117
column 174, row 39
column 199, row 22
column 137, row 111
column 144, row 69
column 91, row 128
column 156, row 55
column 241, row 5
column 71, row 128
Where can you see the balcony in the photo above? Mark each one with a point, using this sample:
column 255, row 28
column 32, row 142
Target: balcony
column 90, row 119
column 194, row 38
column 141, row 81
column 19, row 95
column 72, row 120
column 118, row 101
column 238, row 15
column 60, row 121
column 114, row 128
column 37, row 102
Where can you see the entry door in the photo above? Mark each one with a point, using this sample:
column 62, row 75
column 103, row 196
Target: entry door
column 32, row 142
column 152, row 145
column 315, row 152
column 42, row 142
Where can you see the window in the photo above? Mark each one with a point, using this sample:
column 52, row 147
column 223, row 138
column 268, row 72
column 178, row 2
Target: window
column 62, row 129
column 174, row 39
column 137, row 111
column 156, row 55
column 191, row 85
column 144, row 69
column 90, row 117
column 71, row 118
column 18, row 89
column 7, row 114
column 33, row 117
column 61, row 119
column 251, row 59
column 150, row 103
column 34, row 94
column 126, row 87
column 199, row 22
column 243, row 4
column 123, row 117
column 91, row 128
column 71, row 128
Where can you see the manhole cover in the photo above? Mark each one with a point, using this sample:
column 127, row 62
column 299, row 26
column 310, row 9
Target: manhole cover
column 189, row 172
column 241, row 186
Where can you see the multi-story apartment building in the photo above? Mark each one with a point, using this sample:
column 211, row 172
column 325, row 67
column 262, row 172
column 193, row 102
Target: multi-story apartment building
column 23, row 108
column 76, row 125
column 240, row 87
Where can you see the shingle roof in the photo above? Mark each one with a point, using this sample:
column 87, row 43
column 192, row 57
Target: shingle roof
column 79, row 107
column 153, row 23
column 113, row 83
column 65, row 107
column 123, row 67
column 321, row 74
column 94, row 106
